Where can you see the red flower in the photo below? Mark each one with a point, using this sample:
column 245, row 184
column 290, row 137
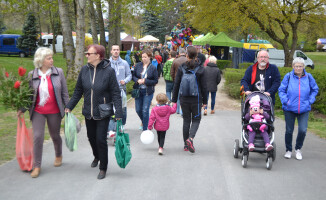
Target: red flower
column 7, row 74
column 21, row 71
column 17, row 84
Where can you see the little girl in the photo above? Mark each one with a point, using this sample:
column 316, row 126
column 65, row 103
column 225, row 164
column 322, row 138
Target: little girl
column 160, row 115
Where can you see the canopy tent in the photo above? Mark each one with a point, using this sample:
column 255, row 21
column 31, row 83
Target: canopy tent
column 128, row 42
column 148, row 38
column 221, row 39
column 203, row 40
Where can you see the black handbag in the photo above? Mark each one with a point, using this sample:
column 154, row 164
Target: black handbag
column 135, row 93
column 106, row 110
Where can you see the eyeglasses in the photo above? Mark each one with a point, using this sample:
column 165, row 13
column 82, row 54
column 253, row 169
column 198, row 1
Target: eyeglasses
column 263, row 57
column 88, row 54
column 299, row 66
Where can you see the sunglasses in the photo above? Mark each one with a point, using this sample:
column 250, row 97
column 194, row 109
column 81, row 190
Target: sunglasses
column 88, row 54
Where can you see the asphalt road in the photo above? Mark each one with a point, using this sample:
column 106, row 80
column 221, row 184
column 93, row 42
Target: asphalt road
column 210, row 173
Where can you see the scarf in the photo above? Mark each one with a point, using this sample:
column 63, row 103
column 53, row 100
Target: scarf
column 115, row 64
column 43, row 88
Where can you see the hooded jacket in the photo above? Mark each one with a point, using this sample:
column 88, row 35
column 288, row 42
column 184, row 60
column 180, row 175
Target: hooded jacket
column 160, row 116
column 104, row 90
column 298, row 93
column 122, row 71
column 127, row 57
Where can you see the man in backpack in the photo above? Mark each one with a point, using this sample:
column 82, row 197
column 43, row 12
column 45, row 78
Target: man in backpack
column 167, row 75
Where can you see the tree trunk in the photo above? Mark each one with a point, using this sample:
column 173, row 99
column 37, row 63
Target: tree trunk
column 114, row 23
column 100, row 22
column 92, row 17
column 80, row 38
column 67, row 35
column 54, row 32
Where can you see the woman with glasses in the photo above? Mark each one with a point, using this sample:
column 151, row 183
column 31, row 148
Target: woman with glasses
column 297, row 92
column 97, row 83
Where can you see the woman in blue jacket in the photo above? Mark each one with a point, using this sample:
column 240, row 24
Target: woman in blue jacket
column 297, row 92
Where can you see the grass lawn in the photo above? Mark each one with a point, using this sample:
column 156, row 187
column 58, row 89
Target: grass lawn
column 319, row 59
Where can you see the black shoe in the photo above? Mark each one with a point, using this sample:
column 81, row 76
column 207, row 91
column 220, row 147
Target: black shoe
column 94, row 163
column 101, row 175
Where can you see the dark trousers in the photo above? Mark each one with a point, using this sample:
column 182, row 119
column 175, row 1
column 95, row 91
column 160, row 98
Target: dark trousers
column 161, row 138
column 97, row 134
column 191, row 119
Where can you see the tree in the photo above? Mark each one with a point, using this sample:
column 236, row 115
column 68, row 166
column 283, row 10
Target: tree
column 100, row 22
column 280, row 20
column 2, row 25
column 114, row 23
column 153, row 25
column 67, row 35
column 29, row 38
column 92, row 16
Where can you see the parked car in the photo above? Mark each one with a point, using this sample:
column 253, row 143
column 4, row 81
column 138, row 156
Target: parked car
column 48, row 40
column 8, row 45
column 277, row 58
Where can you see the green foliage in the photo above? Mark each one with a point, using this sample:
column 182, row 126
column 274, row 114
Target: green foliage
column 29, row 38
column 222, row 64
column 13, row 31
column 245, row 65
column 2, row 25
column 71, row 84
column 309, row 47
column 152, row 25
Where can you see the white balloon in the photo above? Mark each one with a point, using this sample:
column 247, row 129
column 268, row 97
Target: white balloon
column 147, row 137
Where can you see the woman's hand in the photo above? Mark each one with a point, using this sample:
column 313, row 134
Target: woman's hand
column 19, row 113
column 141, row 81
column 67, row 110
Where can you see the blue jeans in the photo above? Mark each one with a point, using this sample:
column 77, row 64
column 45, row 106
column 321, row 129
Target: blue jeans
column 169, row 89
column 289, row 126
column 213, row 96
column 143, row 103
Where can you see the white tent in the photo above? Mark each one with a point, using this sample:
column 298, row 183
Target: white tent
column 148, row 38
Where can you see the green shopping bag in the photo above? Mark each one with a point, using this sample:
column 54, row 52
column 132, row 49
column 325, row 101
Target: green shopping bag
column 71, row 131
column 122, row 146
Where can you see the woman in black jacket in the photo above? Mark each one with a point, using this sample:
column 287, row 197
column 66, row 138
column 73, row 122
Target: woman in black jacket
column 190, row 104
column 98, row 84
column 145, row 77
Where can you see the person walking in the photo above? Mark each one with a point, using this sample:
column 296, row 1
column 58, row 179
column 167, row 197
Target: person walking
column 145, row 77
column 127, row 57
column 191, row 105
column 167, row 74
column 174, row 68
column 159, row 117
column 297, row 93
column 122, row 72
column 50, row 95
column 262, row 76
column 213, row 78
column 98, row 84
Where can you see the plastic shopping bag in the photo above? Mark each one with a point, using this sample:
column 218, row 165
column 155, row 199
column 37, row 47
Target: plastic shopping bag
column 24, row 145
column 71, row 131
column 124, row 98
column 122, row 146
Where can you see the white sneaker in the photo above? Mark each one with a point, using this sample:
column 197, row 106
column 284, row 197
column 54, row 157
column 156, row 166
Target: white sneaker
column 288, row 154
column 298, row 154
column 160, row 151
column 111, row 134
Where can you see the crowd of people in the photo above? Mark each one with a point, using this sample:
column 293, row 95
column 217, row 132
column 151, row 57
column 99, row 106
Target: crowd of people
column 189, row 79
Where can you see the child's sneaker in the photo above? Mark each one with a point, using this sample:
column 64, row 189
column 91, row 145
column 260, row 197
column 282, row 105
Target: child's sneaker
column 190, row 144
column 268, row 147
column 160, row 151
column 251, row 147
column 186, row 148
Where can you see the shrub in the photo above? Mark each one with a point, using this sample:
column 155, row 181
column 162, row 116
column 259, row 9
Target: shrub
column 244, row 65
column 222, row 64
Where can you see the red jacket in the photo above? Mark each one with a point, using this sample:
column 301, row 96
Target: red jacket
column 159, row 59
column 160, row 115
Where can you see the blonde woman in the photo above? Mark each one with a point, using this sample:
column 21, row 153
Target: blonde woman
column 50, row 95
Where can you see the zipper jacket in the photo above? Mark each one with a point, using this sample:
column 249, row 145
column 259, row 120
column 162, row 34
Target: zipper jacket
column 98, row 85
column 151, row 77
column 59, row 87
column 298, row 93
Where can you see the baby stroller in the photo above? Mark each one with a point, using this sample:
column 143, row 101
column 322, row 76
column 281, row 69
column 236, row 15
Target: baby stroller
column 242, row 145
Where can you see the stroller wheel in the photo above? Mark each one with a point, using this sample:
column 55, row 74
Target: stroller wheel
column 244, row 161
column 236, row 149
column 269, row 163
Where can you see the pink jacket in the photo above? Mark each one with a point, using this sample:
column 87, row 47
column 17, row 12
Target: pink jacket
column 160, row 116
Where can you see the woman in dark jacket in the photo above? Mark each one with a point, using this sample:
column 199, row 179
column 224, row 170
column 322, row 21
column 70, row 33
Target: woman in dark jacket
column 50, row 95
column 145, row 77
column 98, row 84
column 297, row 92
column 213, row 78
column 191, row 105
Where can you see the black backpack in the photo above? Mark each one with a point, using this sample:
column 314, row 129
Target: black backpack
column 189, row 85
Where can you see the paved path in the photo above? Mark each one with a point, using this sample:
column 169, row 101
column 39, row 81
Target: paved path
column 210, row 173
